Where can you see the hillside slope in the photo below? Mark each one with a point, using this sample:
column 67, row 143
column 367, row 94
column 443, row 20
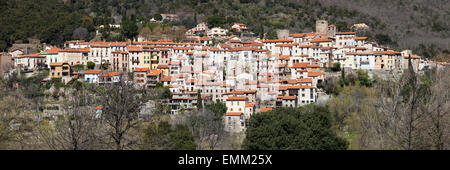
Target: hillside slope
column 419, row 25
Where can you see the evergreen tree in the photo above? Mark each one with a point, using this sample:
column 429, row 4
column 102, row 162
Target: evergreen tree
column 199, row 100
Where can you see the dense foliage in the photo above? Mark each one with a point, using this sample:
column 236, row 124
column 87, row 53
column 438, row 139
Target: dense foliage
column 304, row 128
column 54, row 21
column 165, row 137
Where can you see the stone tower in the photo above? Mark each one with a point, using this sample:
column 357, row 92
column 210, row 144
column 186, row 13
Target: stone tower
column 321, row 26
column 282, row 33
column 331, row 31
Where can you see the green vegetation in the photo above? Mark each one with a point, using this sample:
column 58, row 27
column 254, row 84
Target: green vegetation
column 199, row 100
column 303, row 128
column 217, row 107
column 90, row 65
column 165, row 137
column 55, row 21
column 336, row 67
column 129, row 28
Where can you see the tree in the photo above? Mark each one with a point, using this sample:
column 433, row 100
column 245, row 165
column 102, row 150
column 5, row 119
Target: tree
column 206, row 127
column 167, row 94
column 165, row 137
column 121, row 104
column 304, row 128
column 129, row 29
column 157, row 17
column 90, row 65
column 217, row 107
column 336, row 67
column 145, row 33
column 199, row 100
column 364, row 79
column 76, row 128
column 80, row 34
column 399, row 118
column 351, row 111
column 343, row 81
column 215, row 21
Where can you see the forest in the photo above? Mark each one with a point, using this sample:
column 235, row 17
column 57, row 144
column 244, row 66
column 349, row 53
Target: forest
column 417, row 25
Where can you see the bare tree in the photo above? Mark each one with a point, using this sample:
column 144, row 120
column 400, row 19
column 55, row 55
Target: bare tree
column 412, row 110
column 121, row 104
column 76, row 128
column 437, row 108
column 207, row 128
column 80, row 34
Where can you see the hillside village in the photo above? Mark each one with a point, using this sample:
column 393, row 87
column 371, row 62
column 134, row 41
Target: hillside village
column 248, row 74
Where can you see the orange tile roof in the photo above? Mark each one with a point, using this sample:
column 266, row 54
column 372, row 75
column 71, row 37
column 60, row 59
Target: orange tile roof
column 109, row 74
column 154, row 72
column 313, row 66
column 56, row 64
column 76, row 50
column 162, row 66
column 237, row 98
column 250, row 92
column 300, row 65
column 304, row 80
column 288, row 97
column 387, row 52
column 144, row 69
column 250, row 105
column 233, row 114
column 360, row 38
column 182, row 48
column 321, row 40
column 276, row 41
column 134, row 48
column 92, row 72
column 315, row 74
column 284, row 57
column 286, row 45
column 266, row 109
column 298, row 35
column 53, row 51
column 98, row 108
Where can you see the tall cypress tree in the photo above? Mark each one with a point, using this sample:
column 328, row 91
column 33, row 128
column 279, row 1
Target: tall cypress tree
column 199, row 100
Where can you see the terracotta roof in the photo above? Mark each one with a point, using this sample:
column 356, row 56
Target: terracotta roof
column 321, row 40
column 386, row 52
column 98, row 108
column 276, row 41
column 250, row 105
column 236, row 98
column 162, row 66
column 182, row 98
column 154, row 72
column 315, row 74
column 288, row 97
column 313, row 66
column 360, row 38
column 109, row 74
column 76, row 50
column 300, row 65
column 286, row 45
column 56, row 64
column 144, row 69
column 304, row 80
column 266, row 109
column 283, row 57
column 92, row 72
column 233, row 114
column 182, row 48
